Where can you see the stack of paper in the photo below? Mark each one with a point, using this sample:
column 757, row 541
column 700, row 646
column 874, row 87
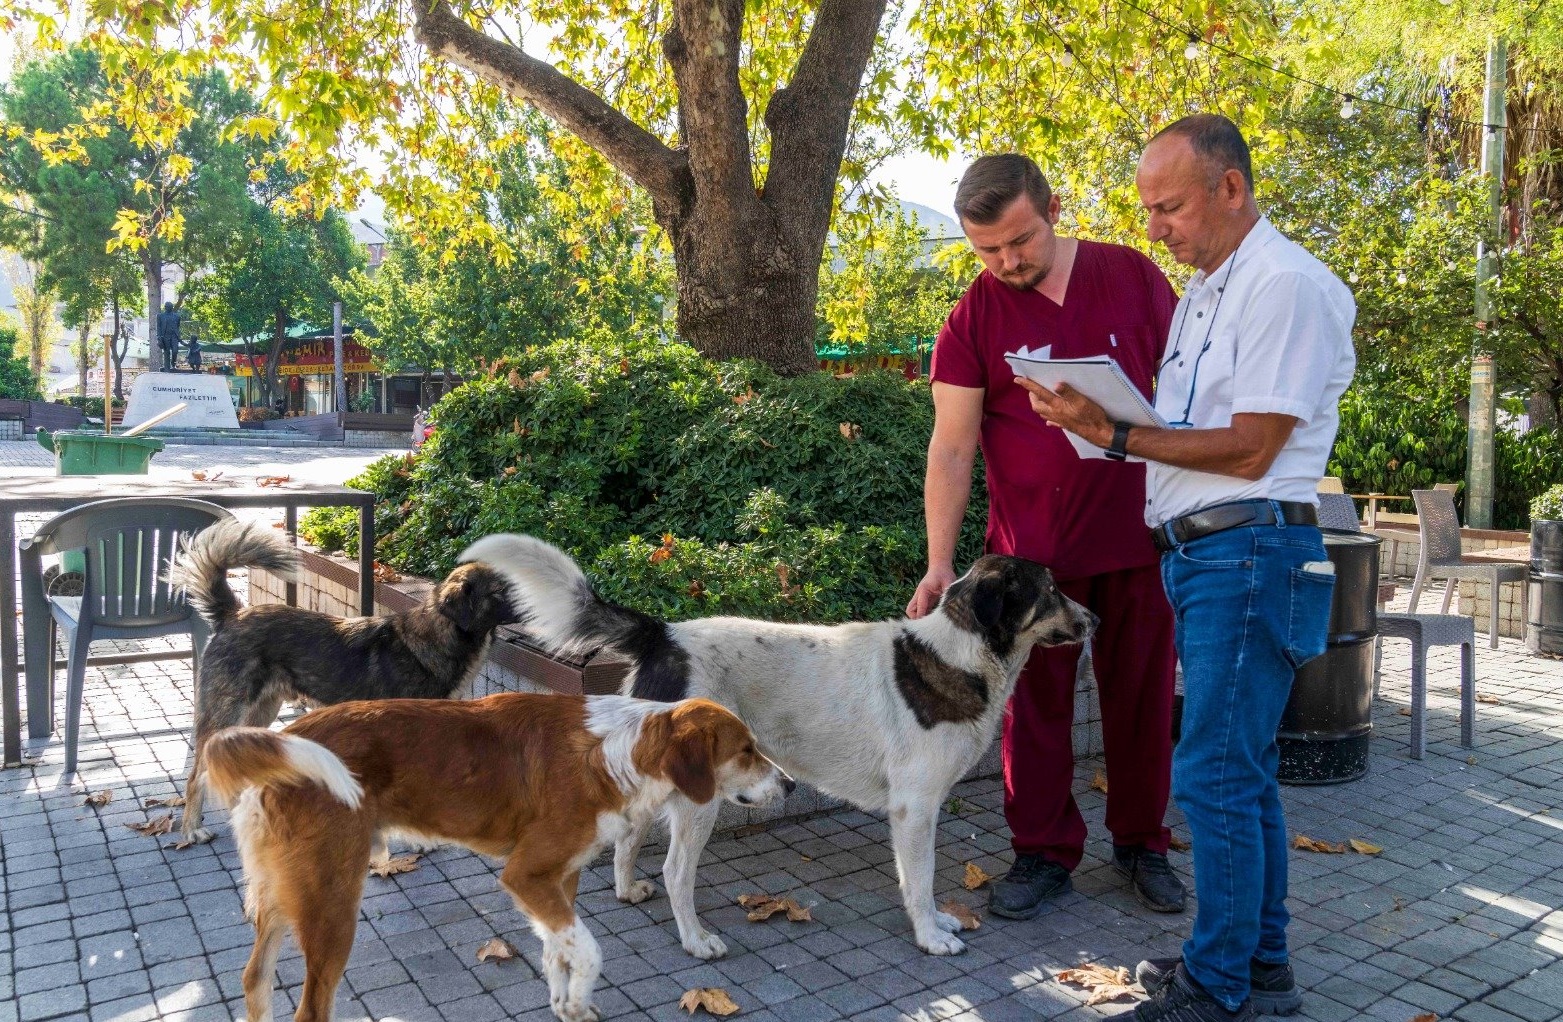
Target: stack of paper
column 1099, row 378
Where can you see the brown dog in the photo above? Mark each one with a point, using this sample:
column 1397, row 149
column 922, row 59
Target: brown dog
column 542, row 781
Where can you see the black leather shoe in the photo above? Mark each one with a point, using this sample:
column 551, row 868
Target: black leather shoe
column 1273, row 988
column 1027, row 887
column 1153, row 880
column 1180, row 999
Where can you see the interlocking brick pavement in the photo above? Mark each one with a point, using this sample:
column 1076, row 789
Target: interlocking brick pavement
column 1460, row 915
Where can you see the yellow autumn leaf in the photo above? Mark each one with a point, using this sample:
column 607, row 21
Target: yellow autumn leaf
column 970, row 920
column 498, row 949
column 1303, row 843
column 1363, row 848
column 713, row 999
column 395, row 864
column 976, row 876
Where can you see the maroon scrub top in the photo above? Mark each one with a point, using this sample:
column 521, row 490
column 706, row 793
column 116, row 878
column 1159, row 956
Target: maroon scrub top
column 1079, row 517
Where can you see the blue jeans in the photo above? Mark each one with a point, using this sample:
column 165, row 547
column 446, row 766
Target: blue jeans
column 1247, row 615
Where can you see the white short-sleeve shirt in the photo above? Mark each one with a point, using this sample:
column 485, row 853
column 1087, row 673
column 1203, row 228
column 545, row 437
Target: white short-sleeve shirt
column 1268, row 331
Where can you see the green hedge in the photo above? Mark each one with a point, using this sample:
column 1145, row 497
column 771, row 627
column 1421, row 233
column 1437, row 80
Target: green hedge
column 685, row 487
column 1395, row 442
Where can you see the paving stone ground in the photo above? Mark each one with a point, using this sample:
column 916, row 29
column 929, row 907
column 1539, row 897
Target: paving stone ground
column 1461, row 914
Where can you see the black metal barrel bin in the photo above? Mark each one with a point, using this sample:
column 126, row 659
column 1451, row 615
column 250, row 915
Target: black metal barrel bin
column 1544, row 624
column 1329, row 718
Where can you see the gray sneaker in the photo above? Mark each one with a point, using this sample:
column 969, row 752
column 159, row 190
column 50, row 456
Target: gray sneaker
column 1272, row 988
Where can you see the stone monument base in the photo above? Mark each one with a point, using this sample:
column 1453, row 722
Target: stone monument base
column 208, row 404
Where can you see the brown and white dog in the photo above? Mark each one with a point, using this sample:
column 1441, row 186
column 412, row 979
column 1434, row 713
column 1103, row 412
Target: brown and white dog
column 542, row 781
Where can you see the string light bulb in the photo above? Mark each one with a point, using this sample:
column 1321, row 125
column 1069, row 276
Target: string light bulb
column 1067, row 58
column 1193, row 49
column 1400, row 278
column 1353, row 277
column 1348, row 109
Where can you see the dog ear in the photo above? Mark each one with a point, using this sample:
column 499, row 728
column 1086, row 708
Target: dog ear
column 688, row 762
column 461, row 600
column 976, row 602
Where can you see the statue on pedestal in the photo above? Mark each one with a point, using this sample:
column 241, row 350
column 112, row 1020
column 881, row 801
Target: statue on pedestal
column 168, row 335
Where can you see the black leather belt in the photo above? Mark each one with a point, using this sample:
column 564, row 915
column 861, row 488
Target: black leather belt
column 1220, row 517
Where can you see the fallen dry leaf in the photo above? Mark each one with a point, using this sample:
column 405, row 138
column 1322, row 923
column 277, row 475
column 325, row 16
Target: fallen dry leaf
column 540, row 375
column 763, row 906
column 1105, row 983
column 1470, row 761
column 1363, row 848
column 1177, row 844
column 1404, row 711
column 1426, row 1016
column 851, row 430
column 976, row 876
column 99, row 798
column 396, row 864
column 1304, row 843
column 272, row 480
column 970, row 920
column 510, row 470
column 385, row 573
column 1099, row 782
column 497, row 948
column 712, row 999
column 1483, row 697
column 171, row 801
column 659, row 555
column 155, row 826
column 745, row 397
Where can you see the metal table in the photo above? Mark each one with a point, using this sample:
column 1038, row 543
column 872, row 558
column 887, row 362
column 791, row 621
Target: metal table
column 32, row 494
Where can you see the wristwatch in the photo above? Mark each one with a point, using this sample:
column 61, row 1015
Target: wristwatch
column 1119, row 449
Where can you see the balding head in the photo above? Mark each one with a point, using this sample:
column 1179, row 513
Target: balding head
column 1196, row 182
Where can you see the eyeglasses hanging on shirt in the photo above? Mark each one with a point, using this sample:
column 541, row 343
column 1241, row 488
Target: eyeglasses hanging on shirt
column 1177, row 346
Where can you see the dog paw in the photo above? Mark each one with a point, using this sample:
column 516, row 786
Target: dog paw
column 199, row 836
column 705, row 945
column 637, row 892
column 940, row 943
column 572, row 1011
column 947, row 922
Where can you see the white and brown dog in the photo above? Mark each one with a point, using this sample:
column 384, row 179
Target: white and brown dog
column 544, row 782
column 885, row 714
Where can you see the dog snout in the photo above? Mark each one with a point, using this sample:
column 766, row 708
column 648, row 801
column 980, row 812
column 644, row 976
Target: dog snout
column 1085, row 622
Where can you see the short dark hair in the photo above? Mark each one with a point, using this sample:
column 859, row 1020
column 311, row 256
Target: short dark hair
column 1217, row 142
column 993, row 182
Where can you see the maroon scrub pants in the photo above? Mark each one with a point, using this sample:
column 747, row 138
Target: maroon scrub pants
column 1134, row 658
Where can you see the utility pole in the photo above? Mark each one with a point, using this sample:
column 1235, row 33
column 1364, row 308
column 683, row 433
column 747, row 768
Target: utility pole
column 340, row 394
column 1483, row 423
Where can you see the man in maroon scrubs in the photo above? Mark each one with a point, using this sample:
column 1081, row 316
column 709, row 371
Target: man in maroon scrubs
column 1080, row 517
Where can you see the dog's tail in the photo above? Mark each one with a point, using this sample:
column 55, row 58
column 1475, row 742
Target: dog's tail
column 202, row 568
column 237, row 758
column 565, row 615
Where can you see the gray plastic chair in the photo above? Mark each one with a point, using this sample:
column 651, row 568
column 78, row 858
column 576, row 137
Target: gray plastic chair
column 127, row 543
column 1424, row 631
column 1339, row 512
column 1440, row 557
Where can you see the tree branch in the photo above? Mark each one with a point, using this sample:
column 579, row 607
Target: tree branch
column 809, row 118
column 702, row 46
column 633, row 150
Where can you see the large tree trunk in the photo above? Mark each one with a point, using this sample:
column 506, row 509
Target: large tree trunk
column 84, row 359
column 747, row 258
column 279, row 340
column 118, row 345
column 152, row 265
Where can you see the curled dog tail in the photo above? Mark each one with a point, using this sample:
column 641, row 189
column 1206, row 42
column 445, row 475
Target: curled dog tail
column 237, row 758
column 565, row 615
column 202, row 568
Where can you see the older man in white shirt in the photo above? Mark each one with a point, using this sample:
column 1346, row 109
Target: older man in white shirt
column 1258, row 356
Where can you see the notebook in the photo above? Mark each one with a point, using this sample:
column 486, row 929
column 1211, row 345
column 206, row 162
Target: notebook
column 1099, row 378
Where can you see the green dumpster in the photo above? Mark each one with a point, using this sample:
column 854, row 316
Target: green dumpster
column 82, row 453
